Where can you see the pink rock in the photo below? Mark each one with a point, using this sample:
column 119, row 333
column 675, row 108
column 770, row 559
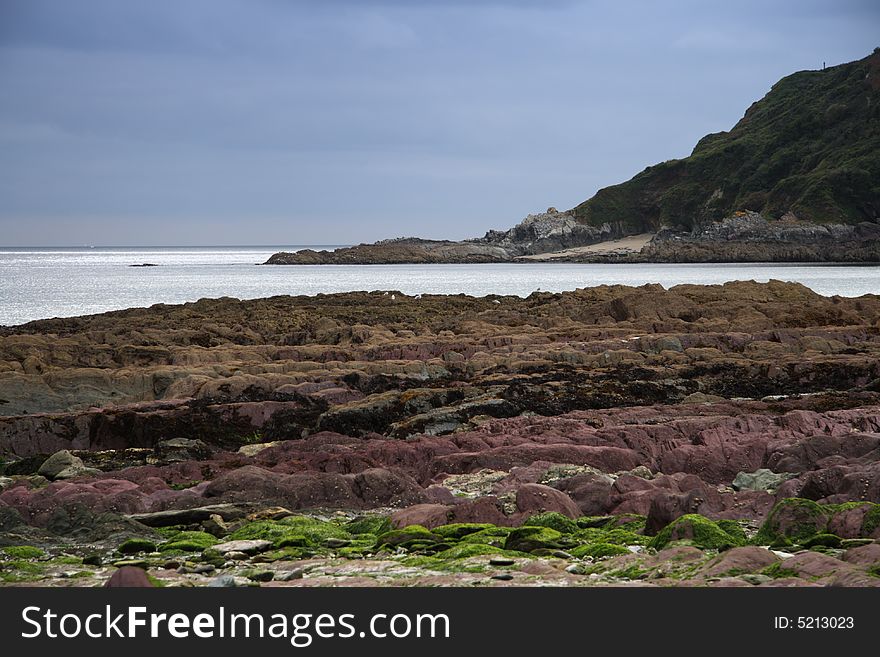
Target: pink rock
column 864, row 555
column 129, row 577
column 591, row 493
column 426, row 515
column 483, row 509
column 848, row 523
column 537, row 498
column 817, row 565
column 749, row 559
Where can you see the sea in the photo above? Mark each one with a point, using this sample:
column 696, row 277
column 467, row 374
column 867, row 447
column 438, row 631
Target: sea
column 38, row 283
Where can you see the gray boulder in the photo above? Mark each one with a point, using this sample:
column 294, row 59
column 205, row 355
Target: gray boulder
column 761, row 479
column 64, row 465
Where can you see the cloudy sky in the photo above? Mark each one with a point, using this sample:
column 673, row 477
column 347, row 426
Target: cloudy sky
column 333, row 121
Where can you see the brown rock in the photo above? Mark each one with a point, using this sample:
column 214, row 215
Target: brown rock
column 129, row 577
column 537, row 498
column 426, row 515
column 738, row 560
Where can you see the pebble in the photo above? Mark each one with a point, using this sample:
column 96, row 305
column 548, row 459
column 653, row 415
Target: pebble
column 92, row 560
column 287, row 577
column 504, row 577
column 228, row 581
column 261, row 576
column 245, row 546
column 782, row 555
column 200, row 569
column 501, row 562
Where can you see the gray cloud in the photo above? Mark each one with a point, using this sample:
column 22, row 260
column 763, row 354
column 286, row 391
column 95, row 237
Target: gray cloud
column 322, row 122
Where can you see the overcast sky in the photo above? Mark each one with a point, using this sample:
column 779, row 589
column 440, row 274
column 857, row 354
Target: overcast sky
column 332, row 121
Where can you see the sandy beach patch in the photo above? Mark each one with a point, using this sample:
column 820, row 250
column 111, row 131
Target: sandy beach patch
column 624, row 245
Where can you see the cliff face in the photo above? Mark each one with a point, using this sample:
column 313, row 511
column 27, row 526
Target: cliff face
column 810, row 147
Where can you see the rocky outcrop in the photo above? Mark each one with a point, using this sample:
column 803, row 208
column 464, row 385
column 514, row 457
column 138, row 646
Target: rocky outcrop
column 558, row 237
column 602, row 417
column 539, row 233
column 401, row 250
column 749, row 237
column 547, row 232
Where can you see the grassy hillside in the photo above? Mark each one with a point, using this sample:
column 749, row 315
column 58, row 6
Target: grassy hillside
column 811, row 146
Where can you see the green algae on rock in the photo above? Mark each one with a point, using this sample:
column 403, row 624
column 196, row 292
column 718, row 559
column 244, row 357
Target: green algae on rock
column 696, row 530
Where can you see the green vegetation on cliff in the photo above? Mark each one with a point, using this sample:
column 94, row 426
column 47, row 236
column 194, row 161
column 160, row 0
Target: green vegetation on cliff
column 811, row 147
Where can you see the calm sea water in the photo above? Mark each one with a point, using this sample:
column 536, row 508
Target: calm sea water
column 37, row 283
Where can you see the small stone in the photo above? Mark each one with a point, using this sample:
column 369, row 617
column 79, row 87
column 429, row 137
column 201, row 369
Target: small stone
column 235, row 556
column 761, row 479
column 756, row 578
column 215, row 526
column 196, row 569
column 256, row 448
column 58, row 462
column 261, row 575
column 642, row 471
column 504, row 577
column 92, row 560
column 700, row 397
column 246, row 546
column 337, row 542
column 272, row 513
column 498, row 561
column 168, row 565
column 136, row 563
column 292, row 575
column 76, row 471
column 6, row 482
column 228, row 581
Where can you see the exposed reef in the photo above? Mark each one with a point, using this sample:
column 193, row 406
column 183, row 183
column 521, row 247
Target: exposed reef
column 701, row 435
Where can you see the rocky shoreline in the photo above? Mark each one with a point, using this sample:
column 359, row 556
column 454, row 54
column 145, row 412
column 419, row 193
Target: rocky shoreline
column 701, row 435
column 556, row 236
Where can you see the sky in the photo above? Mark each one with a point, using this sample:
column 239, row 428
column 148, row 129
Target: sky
column 264, row 122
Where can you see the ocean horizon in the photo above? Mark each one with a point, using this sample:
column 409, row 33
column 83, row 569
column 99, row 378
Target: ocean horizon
column 45, row 282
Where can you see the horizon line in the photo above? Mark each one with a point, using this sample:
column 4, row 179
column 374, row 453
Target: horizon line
column 169, row 246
